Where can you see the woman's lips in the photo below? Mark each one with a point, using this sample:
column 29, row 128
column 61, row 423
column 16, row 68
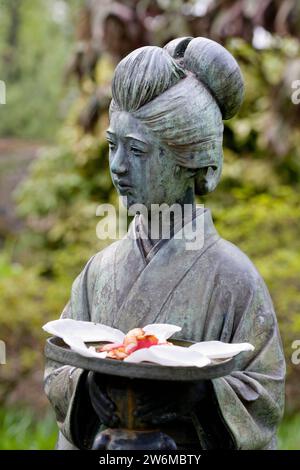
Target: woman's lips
column 123, row 186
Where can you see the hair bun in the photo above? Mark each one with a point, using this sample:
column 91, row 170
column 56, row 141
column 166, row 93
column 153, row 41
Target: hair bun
column 214, row 66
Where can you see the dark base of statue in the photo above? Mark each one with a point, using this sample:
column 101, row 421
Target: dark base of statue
column 120, row 439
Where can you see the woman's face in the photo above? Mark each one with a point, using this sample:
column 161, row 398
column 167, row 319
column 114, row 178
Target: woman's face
column 142, row 168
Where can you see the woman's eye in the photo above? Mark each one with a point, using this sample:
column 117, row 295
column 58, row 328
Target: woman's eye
column 136, row 151
column 111, row 145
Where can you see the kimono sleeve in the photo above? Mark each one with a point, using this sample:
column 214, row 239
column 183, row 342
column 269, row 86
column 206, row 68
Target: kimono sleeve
column 65, row 386
column 251, row 400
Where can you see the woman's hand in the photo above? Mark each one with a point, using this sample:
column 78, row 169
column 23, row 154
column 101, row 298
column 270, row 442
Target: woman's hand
column 102, row 404
column 163, row 403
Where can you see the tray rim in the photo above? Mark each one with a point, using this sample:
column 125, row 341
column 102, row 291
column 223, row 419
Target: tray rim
column 64, row 355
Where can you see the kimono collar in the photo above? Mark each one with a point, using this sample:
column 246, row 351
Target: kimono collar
column 195, row 230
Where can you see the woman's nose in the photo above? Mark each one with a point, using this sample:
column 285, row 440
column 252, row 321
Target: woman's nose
column 119, row 162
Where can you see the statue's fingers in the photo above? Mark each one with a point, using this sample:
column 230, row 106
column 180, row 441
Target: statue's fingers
column 98, row 399
column 101, row 410
column 105, row 400
column 145, row 407
column 146, row 414
column 99, row 395
column 163, row 418
column 106, row 416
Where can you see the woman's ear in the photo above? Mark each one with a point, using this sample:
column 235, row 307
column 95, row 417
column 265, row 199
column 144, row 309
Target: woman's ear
column 207, row 179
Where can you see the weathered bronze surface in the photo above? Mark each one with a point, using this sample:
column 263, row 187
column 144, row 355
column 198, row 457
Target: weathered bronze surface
column 165, row 140
column 57, row 350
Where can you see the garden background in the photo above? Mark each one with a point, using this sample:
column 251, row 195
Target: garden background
column 57, row 58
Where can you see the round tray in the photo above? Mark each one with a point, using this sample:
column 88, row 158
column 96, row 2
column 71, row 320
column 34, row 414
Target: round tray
column 58, row 351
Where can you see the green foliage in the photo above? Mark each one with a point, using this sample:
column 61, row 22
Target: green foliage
column 289, row 433
column 22, row 430
column 27, row 300
column 60, row 200
column 267, row 126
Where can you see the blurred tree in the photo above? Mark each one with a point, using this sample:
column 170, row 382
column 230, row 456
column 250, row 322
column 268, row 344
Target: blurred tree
column 35, row 39
column 13, row 13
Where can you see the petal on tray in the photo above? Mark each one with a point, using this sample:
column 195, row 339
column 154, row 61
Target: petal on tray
column 77, row 345
column 169, row 356
column 87, row 331
column 162, row 331
column 219, row 350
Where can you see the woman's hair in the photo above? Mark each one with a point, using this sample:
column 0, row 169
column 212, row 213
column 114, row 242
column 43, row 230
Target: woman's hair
column 183, row 92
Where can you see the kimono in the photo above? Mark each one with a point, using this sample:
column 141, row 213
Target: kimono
column 213, row 292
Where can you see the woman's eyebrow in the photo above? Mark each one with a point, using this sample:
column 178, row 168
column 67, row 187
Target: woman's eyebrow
column 134, row 137
column 110, row 133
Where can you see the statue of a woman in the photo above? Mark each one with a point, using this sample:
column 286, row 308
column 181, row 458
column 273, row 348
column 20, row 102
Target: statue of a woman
column 165, row 139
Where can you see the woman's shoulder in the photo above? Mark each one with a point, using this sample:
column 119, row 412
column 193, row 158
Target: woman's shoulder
column 106, row 252
column 237, row 276
column 233, row 264
column 103, row 258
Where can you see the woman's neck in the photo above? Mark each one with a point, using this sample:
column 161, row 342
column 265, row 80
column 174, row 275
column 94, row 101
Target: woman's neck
column 164, row 222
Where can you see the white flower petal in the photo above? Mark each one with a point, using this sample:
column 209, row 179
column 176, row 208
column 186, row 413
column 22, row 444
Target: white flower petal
column 168, row 356
column 162, row 331
column 87, row 331
column 77, row 345
column 220, row 350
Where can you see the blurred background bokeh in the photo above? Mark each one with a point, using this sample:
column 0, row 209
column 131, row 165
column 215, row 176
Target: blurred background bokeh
column 57, row 58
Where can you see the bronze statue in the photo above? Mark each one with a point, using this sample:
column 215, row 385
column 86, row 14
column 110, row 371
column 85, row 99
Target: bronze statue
column 165, row 139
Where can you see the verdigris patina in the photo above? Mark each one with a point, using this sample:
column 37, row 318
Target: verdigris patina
column 165, row 139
